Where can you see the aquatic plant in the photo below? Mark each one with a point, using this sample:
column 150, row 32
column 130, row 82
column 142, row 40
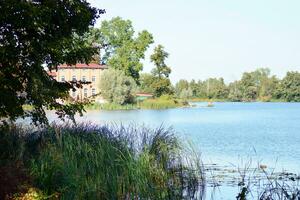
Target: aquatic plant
column 105, row 162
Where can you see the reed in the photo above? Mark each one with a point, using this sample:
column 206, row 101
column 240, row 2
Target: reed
column 161, row 103
column 110, row 106
column 105, row 162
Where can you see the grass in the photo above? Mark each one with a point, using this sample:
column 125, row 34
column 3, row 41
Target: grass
column 101, row 162
column 196, row 99
column 161, row 103
column 110, row 106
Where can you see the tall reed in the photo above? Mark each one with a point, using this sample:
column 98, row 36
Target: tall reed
column 106, row 162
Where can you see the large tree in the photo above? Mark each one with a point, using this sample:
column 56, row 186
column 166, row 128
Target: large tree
column 289, row 88
column 180, row 86
column 116, row 87
column 158, row 58
column 160, row 82
column 123, row 50
column 36, row 35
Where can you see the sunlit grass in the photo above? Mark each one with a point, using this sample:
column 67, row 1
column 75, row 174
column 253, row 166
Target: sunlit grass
column 105, row 162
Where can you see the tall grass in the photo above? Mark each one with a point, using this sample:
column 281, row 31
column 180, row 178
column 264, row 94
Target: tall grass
column 162, row 103
column 105, row 162
column 110, row 106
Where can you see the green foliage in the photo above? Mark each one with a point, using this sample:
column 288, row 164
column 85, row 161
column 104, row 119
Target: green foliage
column 257, row 85
column 158, row 58
column 158, row 82
column 161, row 86
column 146, row 80
column 289, row 88
column 110, row 106
column 186, row 93
column 215, row 88
column 180, row 86
column 248, row 87
column 105, row 162
column 155, row 85
column 122, row 49
column 210, row 88
column 163, row 102
column 34, row 33
column 116, row 87
column 235, row 93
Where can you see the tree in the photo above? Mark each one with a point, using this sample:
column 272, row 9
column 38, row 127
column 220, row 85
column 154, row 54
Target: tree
column 36, row 33
column 186, row 93
column 122, row 50
column 268, row 88
column 158, row 81
column 194, row 88
column 289, row 88
column 235, row 93
column 155, row 85
column 158, row 58
column 116, row 87
column 215, row 88
column 146, row 80
column 249, row 87
column 161, row 86
column 180, row 86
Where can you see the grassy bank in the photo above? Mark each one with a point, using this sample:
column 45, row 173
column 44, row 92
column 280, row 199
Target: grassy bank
column 162, row 103
column 110, row 106
column 157, row 103
column 97, row 162
column 207, row 100
column 261, row 99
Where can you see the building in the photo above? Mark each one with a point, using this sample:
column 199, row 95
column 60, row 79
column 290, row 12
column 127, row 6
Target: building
column 84, row 72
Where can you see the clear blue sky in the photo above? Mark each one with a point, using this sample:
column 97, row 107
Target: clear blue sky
column 214, row 38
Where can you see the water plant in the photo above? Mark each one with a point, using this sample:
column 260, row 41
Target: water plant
column 105, row 162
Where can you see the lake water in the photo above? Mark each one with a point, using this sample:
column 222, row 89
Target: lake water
column 227, row 133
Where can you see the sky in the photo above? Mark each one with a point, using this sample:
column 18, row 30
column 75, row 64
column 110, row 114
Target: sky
column 216, row 38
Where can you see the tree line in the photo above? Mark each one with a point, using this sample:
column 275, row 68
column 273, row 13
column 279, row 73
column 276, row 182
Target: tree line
column 258, row 85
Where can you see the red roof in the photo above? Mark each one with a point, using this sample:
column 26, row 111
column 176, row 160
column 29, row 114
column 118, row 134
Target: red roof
column 83, row 66
column 140, row 94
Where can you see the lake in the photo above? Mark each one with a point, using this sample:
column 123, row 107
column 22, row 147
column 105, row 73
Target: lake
column 228, row 133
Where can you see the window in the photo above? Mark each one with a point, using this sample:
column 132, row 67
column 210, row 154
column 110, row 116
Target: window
column 93, row 78
column 93, row 91
column 62, row 78
column 84, row 79
column 73, row 94
column 85, row 92
column 74, row 78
